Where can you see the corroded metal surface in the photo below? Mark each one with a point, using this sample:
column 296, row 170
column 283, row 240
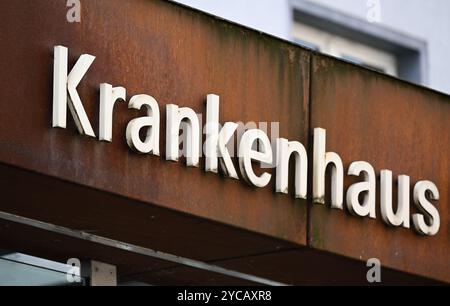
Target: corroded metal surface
column 392, row 125
column 176, row 55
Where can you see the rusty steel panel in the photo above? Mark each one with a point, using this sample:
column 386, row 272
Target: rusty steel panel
column 123, row 219
column 392, row 125
column 178, row 56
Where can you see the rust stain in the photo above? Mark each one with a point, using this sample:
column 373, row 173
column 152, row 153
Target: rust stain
column 392, row 125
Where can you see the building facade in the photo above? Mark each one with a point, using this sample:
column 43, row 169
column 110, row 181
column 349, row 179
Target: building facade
column 123, row 159
column 408, row 39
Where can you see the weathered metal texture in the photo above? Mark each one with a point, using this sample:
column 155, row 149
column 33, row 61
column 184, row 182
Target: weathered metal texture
column 392, row 125
column 178, row 56
column 62, row 203
column 300, row 266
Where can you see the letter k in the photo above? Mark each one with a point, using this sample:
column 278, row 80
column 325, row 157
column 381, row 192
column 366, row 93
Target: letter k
column 63, row 84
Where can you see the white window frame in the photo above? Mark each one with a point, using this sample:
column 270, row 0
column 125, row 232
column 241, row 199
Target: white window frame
column 344, row 48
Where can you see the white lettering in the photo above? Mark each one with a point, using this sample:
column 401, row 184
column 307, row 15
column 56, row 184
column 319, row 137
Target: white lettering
column 63, row 83
column 284, row 151
column 151, row 143
column 427, row 222
column 322, row 160
column 247, row 154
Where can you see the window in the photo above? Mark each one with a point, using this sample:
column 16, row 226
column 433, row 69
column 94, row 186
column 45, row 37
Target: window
column 356, row 40
column 345, row 48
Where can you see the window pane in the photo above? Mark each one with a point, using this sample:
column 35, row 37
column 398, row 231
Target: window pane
column 23, row 270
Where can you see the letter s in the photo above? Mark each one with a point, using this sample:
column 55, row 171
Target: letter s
column 427, row 222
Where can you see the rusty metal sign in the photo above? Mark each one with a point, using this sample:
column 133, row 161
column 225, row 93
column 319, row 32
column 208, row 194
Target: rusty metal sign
column 350, row 158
